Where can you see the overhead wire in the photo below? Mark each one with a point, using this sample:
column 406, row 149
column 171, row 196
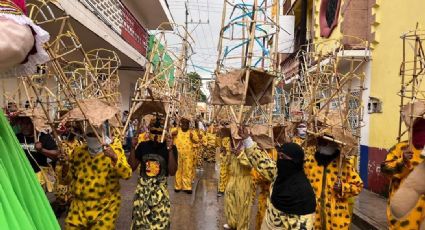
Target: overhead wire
column 205, row 59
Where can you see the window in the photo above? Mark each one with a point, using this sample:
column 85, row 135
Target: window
column 331, row 10
column 374, row 105
column 328, row 17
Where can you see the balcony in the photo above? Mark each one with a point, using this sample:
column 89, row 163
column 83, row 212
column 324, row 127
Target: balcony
column 150, row 12
column 116, row 15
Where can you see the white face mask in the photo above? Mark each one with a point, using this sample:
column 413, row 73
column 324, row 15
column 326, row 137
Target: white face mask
column 95, row 147
column 327, row 150
column 302, row 132
column 107, row 140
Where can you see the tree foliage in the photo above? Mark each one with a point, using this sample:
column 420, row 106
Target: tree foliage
column 196, row 85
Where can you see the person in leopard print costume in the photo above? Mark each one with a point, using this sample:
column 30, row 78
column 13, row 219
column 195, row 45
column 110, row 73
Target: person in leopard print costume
column 151, row 206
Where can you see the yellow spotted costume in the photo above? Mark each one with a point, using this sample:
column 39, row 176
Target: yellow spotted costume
column 239, row 192
column 263, row 185
column 62, row 189
column 298, row 140
column 151, row 206
column 199, row 152
column 333, row 210
column 95, row 188
column 142, row 137
column 398, row 169
column 224, row 161
column 309, row 149
column 186, row 157
column 275, row 219
column 210, row 146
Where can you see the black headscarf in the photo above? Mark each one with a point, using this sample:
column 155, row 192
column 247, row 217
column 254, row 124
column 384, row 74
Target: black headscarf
column 292, row 192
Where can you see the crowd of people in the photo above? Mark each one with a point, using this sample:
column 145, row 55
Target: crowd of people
column 303, row 181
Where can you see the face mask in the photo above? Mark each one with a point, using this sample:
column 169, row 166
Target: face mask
column 107, row 140
column 95, row 147
column 327, row 150
column 302, row 132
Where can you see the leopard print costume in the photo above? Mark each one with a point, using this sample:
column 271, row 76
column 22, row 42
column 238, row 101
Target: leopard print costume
column 239, row 192
column 224, row 164
column 275, row 219
column 95, row 187
column 397, row 169
column 151, row 206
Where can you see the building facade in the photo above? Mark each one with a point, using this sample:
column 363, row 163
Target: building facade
column 121, row 26
column 380, row 24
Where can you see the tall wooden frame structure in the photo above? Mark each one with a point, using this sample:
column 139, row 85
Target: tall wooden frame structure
column 412, row 72
column 329, row 93
column 248, row 57
column 75, row 73
column 155, row 92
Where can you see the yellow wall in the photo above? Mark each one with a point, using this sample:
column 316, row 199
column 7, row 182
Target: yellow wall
column 393, row 19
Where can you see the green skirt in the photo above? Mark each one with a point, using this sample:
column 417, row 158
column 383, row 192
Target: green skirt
column 23, row 204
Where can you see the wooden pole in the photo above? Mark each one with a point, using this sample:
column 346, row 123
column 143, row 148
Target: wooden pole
column 402, row 90
column 220, row 41
column 248, row 62
column 46, row 113
column 413, row 94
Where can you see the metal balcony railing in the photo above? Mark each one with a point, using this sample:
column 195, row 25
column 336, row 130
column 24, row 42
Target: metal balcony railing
column 116, row 15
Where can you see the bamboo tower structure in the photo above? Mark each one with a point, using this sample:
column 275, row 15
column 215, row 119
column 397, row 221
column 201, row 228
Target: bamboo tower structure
column 247, row 64
column 412, row 91
column 72, row 74
column 328, row 95
column 162, row 88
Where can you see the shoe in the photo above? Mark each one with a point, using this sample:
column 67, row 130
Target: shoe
column 188, row 191
column 226, row 226
column 220, row 194
column 177, row 190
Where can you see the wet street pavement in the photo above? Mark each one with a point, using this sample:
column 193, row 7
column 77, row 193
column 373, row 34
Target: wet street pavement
column 201, row 210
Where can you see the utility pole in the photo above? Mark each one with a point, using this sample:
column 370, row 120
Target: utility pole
column 186, row 34
column 185, row 49
column 187, row 23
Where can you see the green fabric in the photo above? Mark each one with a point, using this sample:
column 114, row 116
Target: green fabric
column 23, row 203
column 159, row 65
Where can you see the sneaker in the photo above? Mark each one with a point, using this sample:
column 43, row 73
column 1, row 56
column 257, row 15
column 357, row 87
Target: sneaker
column 220, row 194
column 226, row 226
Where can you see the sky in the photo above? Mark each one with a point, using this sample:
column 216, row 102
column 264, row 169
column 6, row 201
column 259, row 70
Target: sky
column 204, row 24
column 205, row 18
